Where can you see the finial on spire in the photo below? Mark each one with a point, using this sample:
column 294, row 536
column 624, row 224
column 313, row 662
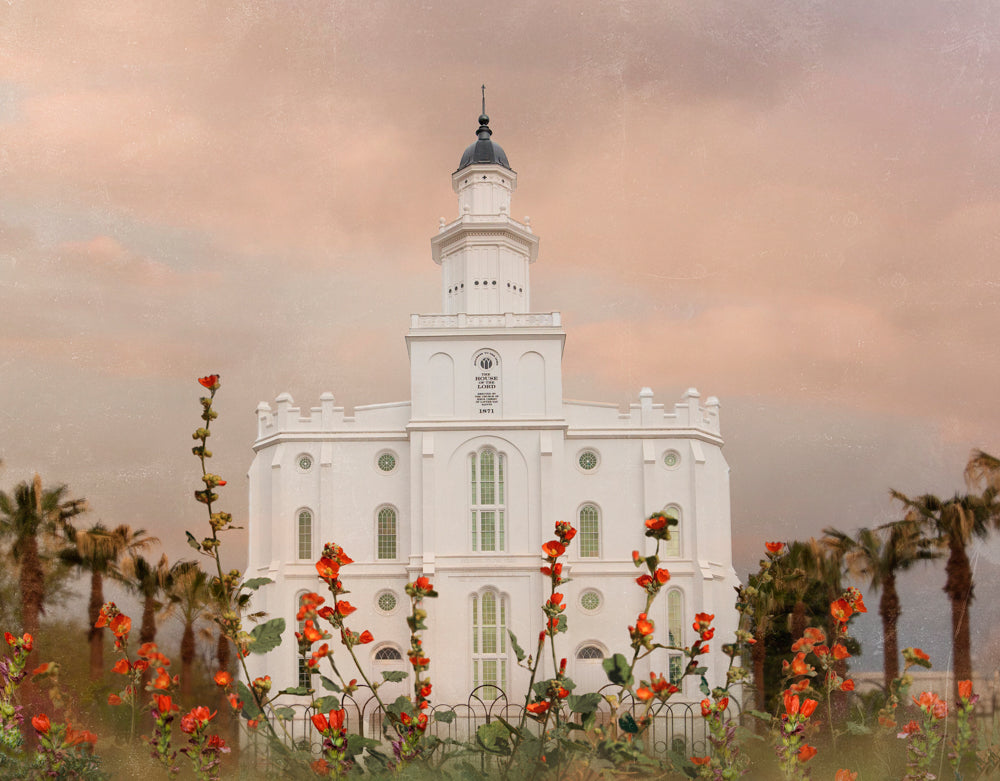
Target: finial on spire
column 484, row 121
column 484, row 99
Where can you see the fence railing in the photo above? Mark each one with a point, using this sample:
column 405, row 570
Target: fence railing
column 678, row 725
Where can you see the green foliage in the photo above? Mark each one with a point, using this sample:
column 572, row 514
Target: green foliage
column 619, row 671
column 395, row 676
column 267, row 636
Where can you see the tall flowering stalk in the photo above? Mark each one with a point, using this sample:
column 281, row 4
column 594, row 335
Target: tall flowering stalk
column 12, row 673
column 960, row 744
column 792, row 750
column 923, row 738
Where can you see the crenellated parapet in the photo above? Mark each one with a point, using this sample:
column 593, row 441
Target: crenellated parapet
column 287, row 419
column 686, row 415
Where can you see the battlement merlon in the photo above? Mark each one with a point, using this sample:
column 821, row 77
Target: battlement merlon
column 581, row 417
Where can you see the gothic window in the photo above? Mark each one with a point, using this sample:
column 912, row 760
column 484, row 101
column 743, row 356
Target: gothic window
column 590, row 653
column 590, row 531
column 673, row 545
column 489, row 643
column 675, row 625
column 488, row 502
column 386, row 547
column 305, row 534
column 387, row 654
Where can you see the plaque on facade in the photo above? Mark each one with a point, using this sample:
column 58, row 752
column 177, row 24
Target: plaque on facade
column 486, row 383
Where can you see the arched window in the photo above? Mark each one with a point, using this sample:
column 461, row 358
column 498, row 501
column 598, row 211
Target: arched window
column 590, row 653
column 386, row 545
column 387, row 654
column 590, row 531
column 675, row 627
column 672, row 547
column 305, row 534
column 301, row 664
column 488, row 502
column 489, row 642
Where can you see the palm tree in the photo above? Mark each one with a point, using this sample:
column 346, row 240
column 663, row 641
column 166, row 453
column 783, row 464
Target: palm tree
column 97, row 550
column 956, row 522
column 148, row 581
column 188, row 590
column 25, row 515
column 877, row 555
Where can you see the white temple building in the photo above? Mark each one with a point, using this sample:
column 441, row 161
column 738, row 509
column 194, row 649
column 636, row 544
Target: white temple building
column 465, row 482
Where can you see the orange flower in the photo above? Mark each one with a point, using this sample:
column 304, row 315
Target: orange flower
column 345, row 608
column 320, row 722
column 636, row 557
column 164, row 704
column 801, row 686
column 799, row 666
column 337, row 719
column 537, row 708
column 701, row 760
column 808, row 706
column 553, row 549
column 121, row 625
column 806, row 753
column 791, row 703
column 642, row 626
column 662, row 576
column 223, row 678
column 965, row 689
column 774, row 547
column 366, row 637
column 840, row 652
column 114, row 699
column 423, row 584
column 847, row 686
column 706, row 707
column 920, row 654
column 656, row 523
column 211, row 381
column 845, row 775
column 644, row 580
column 41, row 723
column 841, row 610
column 121, row 667
column 44, row 668
column 328, row 569
column 162, row 680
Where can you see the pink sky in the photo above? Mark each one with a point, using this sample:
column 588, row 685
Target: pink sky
column 794, row 207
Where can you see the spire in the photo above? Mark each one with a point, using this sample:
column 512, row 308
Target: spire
column 484, row 131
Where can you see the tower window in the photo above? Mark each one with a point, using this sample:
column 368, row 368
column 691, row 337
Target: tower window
column 305, row 528
column 672, row 547
column 386, row 546
column 489, row 643
column 488, row 501
column 590, row 531
column 675, row 623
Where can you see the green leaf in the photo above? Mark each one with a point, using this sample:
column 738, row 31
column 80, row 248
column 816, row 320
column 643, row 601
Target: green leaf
column 284, row 713
column 767, row 718
column 584, row 703
column 297, row 691
column 255, row 583
column 394, row 676
column 327, row 703
column 446, row 716
column 193, row 541
column 703, row 686
column 855, row 728
column 250, row 709
column 329, row 685
column 561, row 623
column 401, row 705
column 493, row 738
column 267, row 636
column 518, row 651
column 617, row 669
column 627, row 723
column 356, row 744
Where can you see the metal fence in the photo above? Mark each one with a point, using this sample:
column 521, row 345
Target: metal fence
column 678, row 726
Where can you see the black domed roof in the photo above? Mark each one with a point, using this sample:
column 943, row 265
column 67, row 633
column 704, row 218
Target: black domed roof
column 484, row 150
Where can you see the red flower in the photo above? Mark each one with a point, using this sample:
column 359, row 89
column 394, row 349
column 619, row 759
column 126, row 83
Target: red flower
column 704, row 619
column 791, row 703
column 114, row 699
column 121, row 667
column 806, row 753
column 706, row 707
column 537, row 708
column 321, row 723
column 841, row 610
column 162, row 680
column 44, row 668
column 799, row 666
column 423, row 584
column 328, row 569
column 847, row 686
column 656, row 522
column 840, row 652
column 164, row 704
column 644, row 580
column 553, row 549
column 41, row 723
column 321, row 767
column 636, row 558
column 662, row 576
column 774, row 547
column 337, row 719
column 644, row 694
column 920, row 654
column 197, row 718
column 701, row 760
column 211, row 381
column 345, row 608
column 366, row 637
column 222, row 678
column 965, row 690
column 29, row 641
column 121, row 625
column 845, row 775
column 909, row 729
column 642, row 626
column 808, row 706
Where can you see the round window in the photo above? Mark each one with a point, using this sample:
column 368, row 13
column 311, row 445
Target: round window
column 671, row 459
column 386, row 601
column 386, row 462
column 590, row 601
column 588, row 460
column 305, row 463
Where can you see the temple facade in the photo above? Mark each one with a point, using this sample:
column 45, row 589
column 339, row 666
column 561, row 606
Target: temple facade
column 464, row 482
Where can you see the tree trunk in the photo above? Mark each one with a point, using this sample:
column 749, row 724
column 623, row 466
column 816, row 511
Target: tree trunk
column 890, row 610
column 958, row 587
column 95, row 635
column 799, row 620
column 32, row 582
column 187, row 658
column 147, row 632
